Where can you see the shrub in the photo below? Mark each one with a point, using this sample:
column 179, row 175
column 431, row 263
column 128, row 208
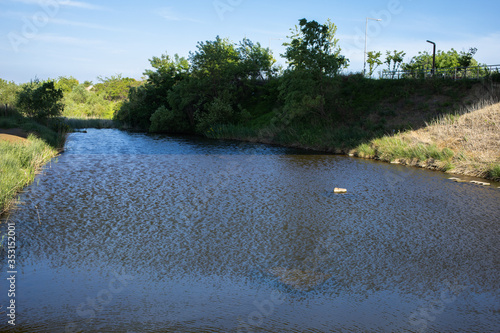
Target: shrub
column 40, row 100
column 169, row 121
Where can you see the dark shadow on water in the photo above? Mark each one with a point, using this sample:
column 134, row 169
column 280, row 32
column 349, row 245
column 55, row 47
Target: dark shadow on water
column 117, row 142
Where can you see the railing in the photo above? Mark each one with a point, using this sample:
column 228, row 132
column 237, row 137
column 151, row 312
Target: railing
column 454, row 73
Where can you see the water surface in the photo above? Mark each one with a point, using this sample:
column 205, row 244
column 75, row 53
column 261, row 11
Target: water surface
column 135, row 233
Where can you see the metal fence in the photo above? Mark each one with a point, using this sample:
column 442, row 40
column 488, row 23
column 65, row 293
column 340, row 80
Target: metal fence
column 455, row 73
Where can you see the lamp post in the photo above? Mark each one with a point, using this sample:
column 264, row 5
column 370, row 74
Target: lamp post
column 366, row 33
column 433, row 57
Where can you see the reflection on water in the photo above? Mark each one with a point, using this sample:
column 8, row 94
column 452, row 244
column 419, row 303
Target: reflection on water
column 136, row 233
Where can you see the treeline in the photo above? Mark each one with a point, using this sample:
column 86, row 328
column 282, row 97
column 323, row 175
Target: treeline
column 394, row 60
column 66, row 97
column 225, row 85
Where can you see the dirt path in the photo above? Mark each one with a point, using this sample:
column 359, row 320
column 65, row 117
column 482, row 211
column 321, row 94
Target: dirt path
column 13, row 135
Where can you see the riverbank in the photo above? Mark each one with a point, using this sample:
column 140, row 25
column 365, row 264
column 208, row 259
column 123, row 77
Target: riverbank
column 455, row 129
column 466, row 143
column 25, row 147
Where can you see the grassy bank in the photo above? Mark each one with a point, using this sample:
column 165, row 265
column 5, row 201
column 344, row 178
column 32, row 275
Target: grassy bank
column 436, row 124
column 32, row 146
column 466, row 143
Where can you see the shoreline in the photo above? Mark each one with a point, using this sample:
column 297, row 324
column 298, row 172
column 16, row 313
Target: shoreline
column 466, row 144
column 23, row 157
column 431, row 165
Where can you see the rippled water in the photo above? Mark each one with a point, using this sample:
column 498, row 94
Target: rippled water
column 135, row 233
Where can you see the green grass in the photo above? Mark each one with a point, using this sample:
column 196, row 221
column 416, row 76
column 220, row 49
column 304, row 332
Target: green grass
column 494, row 171
column 365, row 150
column 19, row 163
column 389, row 148
column 78, row 123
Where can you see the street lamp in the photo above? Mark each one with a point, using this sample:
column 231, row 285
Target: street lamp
column 366, row 32
column 433, row 56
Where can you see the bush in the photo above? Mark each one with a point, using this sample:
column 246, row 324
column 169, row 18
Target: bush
column 40, row 100
column 219, row 111
column 171, row 121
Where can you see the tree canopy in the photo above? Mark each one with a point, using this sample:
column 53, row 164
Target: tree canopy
column 40, row 100
column 313, row 47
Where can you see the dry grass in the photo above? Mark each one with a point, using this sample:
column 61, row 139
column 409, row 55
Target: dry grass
column 467, row 143
column 475, row 133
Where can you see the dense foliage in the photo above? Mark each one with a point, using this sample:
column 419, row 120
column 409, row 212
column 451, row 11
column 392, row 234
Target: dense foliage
column 448, row 59
column 223, row 84
column 211, row 88
column 40, row 100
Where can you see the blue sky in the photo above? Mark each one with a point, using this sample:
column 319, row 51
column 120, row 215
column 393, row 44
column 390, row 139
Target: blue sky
column 88, row 38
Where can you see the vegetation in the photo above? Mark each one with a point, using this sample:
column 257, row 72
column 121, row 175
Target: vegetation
column 445, row 62
column 230, row 90
column 212, row 88
column 466, row 143
column 40, row 100
column 19, row 165
column 233, row 91
column 21, row 160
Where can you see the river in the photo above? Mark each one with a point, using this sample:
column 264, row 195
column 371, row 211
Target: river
column 128, row 232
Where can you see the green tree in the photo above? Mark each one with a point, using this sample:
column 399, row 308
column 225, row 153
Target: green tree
column 444, row 60
column 40, row 100
column 313, row 47
column 313, row 60
column 116, row 87
column 223, row 76
column 373, row 60
column 256, row 62
column 146, row 99
column 66, row 84
column 465, row 59
column 171, row 121
column 216, row 63
column 8, row 93
column 394, row 61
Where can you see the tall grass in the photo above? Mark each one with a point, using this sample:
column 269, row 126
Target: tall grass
column 90, row 122
column 19, row 164
column 468, row 140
